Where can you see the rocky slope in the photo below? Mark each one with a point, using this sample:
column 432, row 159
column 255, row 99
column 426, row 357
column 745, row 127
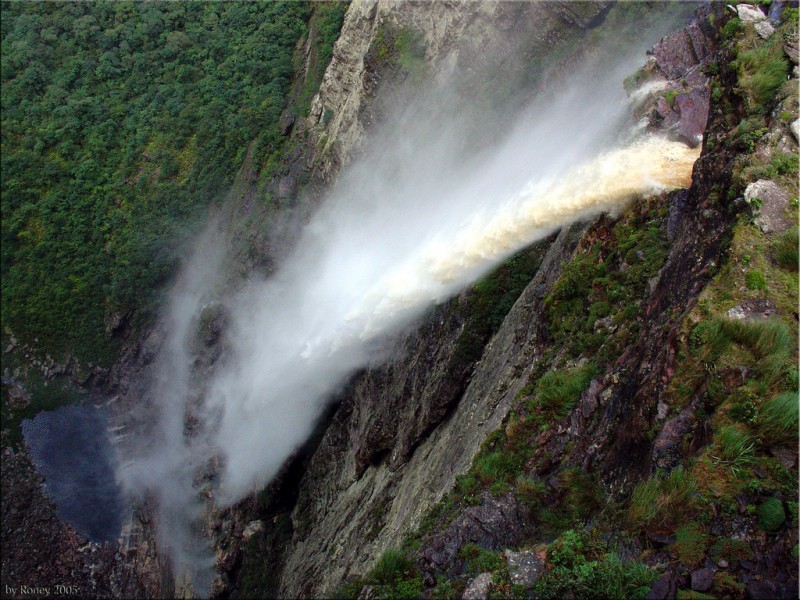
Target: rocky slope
column 404, row 433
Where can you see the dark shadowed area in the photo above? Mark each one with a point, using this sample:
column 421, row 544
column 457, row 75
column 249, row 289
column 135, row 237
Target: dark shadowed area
column 72, row 451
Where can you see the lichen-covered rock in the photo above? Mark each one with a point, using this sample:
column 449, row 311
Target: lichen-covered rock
column 749, row 14
column 764, row 30
column 524, row 568
column 479, row 588
column 770, row 202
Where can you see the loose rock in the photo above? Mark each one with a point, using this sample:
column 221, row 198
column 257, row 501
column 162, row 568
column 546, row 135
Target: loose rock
column 478, row 588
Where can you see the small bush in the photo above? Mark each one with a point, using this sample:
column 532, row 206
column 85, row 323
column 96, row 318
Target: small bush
column 582, row 570
column 777, row 421
column 582, row 494
column 756, row 280
column 691, row 544
column 468, row 485
column 769, row 340
column 771, row 515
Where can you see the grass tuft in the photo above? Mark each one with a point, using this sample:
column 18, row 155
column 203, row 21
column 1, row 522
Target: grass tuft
column 777, row 421
column 734, row 449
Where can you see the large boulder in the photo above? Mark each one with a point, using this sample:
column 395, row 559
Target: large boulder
column 770, row 202
column 749, row 14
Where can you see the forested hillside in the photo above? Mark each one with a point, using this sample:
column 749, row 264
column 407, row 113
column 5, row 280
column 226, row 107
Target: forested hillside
column 121, row 124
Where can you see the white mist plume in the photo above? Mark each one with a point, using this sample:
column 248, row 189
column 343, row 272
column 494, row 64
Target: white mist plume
column 410, row 224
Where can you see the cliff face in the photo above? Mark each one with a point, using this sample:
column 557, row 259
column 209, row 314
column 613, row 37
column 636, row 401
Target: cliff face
column 417, row 431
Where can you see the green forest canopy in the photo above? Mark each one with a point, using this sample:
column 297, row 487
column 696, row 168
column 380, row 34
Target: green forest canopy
column 121, row 123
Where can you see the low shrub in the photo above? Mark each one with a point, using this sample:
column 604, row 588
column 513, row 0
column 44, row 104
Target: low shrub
column 771, row 515
column 580, row 569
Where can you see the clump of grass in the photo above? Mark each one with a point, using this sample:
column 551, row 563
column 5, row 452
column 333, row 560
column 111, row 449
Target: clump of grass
column 785, row 251
column 777, row 420
column 756, row 280
column 762, row 71
column 391, row 567
column 691, row 544
column 734, row 449
column 662, row 502
column 770, row 341
column 480, row 560
column 558, row 392
column 771, row 515
column 498, row 465
column 530, row 491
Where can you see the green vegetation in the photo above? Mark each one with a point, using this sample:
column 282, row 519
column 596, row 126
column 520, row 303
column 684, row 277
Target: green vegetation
column 777, row 421
column 691, row 544
column 762, row 71
column 670, row 96
column 771, row 515
column 557, row 392
column 785, row 250
column 600, row 290
column 324, row 26
column 42, row 396
column 480, row 560
column 756, row 280
column 732, row 550
column 401, row 51
column 122, row 122
column 394, row 576
column 662, row 502
column 734, row 449
column 490, row 300
column 583, row 568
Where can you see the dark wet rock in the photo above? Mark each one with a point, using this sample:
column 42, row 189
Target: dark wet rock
column 38, row 549
column 772, row 590
column 667, row 448
column 775, row 10
column 786, row 456
column 524, row 568
column 702, row 579
column 665, row 588
column 495, row 523
column 659, row 540
column 747, row 564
